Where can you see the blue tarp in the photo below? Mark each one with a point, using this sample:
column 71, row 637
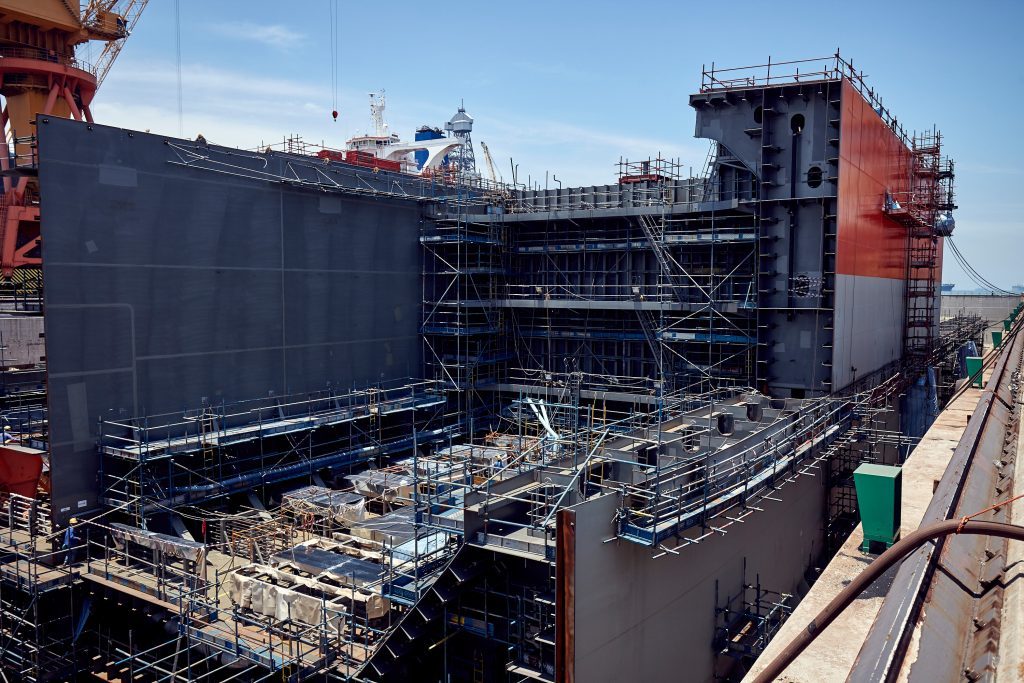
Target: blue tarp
column 918, row 408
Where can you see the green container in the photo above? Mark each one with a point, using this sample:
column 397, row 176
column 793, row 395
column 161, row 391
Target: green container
column 997, row 339
column 878, row 497
column 1006, row 325
column 974, row 365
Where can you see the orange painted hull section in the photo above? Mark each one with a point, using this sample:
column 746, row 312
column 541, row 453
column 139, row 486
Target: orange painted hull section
column 872, row 161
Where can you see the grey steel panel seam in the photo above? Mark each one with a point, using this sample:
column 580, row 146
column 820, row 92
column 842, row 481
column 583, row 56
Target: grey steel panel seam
column 91, row 373
column 284, row 292
column 312, row 345
column 269, row 269
column 354, row 192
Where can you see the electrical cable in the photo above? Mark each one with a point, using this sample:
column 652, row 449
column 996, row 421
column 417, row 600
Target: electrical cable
column 957, row 256
column 972, row 273
column 963, row 259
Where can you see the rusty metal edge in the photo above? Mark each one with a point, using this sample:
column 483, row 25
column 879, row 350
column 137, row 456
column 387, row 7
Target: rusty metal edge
column 882, row 653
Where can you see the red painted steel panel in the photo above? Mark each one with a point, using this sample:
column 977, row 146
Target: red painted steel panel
column 872, row 160
column 20, row 469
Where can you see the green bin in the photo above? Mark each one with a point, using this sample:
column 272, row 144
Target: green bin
column 997, row 339
column 878, row 497
column 974, row 365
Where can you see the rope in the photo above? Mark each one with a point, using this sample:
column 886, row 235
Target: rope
column 993, row 506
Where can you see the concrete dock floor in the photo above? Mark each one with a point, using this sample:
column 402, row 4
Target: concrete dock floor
column 832, row 654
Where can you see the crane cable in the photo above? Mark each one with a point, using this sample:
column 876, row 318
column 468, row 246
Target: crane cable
column 177, row 49
column 332, row 5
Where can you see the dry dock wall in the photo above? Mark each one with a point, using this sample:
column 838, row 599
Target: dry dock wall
column 167, row 285
column 638, row 618
column 991, row 308
column 21, row 339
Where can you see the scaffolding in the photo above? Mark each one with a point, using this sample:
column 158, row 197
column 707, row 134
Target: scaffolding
column 654, row 304
column 463, row 324
column 700, row 461
column 924, row 209
column 578, row 342
column 747, row 622
column 157, row 462
column 265, row 596
column 255, row 622
column 38, row 597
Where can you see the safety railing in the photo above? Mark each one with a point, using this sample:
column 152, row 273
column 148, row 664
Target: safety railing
column 22, row 514
column 191, row 430
column 27, row 52
column 831, row 68
column 691, row 490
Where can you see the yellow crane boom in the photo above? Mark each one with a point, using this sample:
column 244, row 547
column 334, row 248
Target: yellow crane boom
column 489, row 160
column 120, row 15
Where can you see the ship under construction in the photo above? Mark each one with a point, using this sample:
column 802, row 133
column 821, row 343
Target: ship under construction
column 304, row 414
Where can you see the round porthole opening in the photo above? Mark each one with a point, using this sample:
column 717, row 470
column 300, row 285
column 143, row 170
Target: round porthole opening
column 814, row 176
column 796, row 123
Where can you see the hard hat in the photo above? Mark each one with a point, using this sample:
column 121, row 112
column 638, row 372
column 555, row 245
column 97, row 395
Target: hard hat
column 73, row 520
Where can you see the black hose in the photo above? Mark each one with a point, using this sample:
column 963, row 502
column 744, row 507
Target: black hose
column 896, row 553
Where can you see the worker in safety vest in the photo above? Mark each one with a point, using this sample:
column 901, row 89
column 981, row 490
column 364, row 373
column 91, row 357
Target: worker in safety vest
column 70, row 542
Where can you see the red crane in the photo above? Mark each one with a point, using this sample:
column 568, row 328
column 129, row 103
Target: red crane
column 40, row 74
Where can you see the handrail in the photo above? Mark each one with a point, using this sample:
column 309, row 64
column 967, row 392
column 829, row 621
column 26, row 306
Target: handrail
column 834, row 68
column 28, row 52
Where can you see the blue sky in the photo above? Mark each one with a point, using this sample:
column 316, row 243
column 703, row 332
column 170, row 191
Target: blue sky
column 569, row 87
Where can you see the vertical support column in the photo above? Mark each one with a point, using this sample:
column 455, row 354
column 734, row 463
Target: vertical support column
column 565, row 597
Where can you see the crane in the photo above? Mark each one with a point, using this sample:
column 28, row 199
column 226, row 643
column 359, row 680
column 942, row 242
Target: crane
column 38, row 40
column 489, row 160
column 40, row 73
column 126, row 15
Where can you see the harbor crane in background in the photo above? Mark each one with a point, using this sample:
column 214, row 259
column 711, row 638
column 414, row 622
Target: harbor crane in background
column 40, row 73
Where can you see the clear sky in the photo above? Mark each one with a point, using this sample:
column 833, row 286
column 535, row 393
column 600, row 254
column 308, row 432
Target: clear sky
column 568, row 88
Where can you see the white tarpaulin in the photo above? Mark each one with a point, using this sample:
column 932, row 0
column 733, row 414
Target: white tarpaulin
column 281, row 602
column 345, row 507
column 272, row 592
column 170, row 546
